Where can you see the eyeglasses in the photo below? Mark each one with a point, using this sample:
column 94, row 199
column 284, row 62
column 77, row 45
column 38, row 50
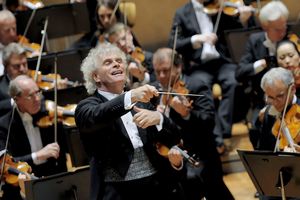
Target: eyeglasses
column 32, row 95
column 280, row 97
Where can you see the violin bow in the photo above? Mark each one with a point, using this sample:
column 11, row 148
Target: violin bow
column 218, row 17
column 55, row 99
column 44, row 31
column 282, row 124
column 29, row 22
column 169, row 89
column 6, row 145
column 114, row 11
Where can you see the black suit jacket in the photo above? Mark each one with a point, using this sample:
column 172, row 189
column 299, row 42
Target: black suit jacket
column 19, row 146
column 198, row 139
column 185, row 19
column 106, row 140
column 4, row 82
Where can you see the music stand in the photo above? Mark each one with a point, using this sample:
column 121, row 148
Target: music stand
column 264, row 169
column 63, row 20
column 68, row 63
column 64, row 186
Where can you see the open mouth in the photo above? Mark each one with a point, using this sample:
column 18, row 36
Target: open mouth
column 117, row 72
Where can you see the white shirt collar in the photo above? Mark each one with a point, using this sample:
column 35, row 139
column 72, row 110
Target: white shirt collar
column 270, row 45
column 197, row 5
column 108, row 95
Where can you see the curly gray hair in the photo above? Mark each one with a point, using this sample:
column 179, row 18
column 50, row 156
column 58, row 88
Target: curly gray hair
column 93, row 61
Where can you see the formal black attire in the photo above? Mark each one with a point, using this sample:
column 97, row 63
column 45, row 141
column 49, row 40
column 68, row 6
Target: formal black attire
column 255, row 50
column 19, row 147
column 5, row 103
column 198, row 140
column 219, row 70
column 107, row 142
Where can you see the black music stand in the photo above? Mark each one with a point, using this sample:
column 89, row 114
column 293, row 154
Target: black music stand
column 65, row 186
column 68, row 63
column 264, row 169
column 63, row 20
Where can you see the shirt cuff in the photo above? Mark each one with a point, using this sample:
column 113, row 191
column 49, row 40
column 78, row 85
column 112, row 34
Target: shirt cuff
column 258, row 66
column 127, row 101
column 195, row 43
column 160, row 125
column 35, row 159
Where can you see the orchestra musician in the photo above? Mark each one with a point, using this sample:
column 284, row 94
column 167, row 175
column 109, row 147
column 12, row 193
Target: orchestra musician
column 8, row 32
column 196, row 121
column 142, row 70
column 259, row 57
column 288, row 57
column 118, row 132
column 206, row 56
column 27, row 142
column 15, row 62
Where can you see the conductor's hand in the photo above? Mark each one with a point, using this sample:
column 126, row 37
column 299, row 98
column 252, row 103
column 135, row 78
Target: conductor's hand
column 143, row 93
column 49, row 151
column 145, row 118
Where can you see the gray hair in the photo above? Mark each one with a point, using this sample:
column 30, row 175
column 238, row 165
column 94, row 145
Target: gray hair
column 14, row 88
column 273, row 11
column 276, row 74
column 6, row 15
column 94, row 61
column 9, row 50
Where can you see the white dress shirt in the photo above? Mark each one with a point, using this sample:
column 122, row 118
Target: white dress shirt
column 127, row 119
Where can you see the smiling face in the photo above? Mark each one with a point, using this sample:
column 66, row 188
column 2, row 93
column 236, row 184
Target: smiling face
column 110, row 75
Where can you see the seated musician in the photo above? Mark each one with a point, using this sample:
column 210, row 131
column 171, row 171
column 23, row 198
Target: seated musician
column 259, row 57
column 275, row 84
column 139, row 63
column 26, row 141
column 8, row 32
column 15, row 62
column 118, row 130
column 195, row 116
column 288, row 57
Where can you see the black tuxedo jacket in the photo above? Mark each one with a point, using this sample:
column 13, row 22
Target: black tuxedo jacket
column 185, row 19
column 106, row 140
column 4, row 82
column 19, row 146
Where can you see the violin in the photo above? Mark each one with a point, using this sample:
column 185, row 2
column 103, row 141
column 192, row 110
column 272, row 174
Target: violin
column 178, row 87
column 164, row 150
column 32, row 49
column 12, row 169
column 65, row 115
column 295, row 39
column 46, row 82
column 291, row 124
column 230, row 7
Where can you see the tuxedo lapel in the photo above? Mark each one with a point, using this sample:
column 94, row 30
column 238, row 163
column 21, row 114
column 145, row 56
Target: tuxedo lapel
column 191, row 16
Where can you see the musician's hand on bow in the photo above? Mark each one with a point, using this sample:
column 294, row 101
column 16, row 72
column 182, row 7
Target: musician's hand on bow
column 181, row 105
column 245, row 13
column 143, row 93
column 145, row 118
column 49, row 151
